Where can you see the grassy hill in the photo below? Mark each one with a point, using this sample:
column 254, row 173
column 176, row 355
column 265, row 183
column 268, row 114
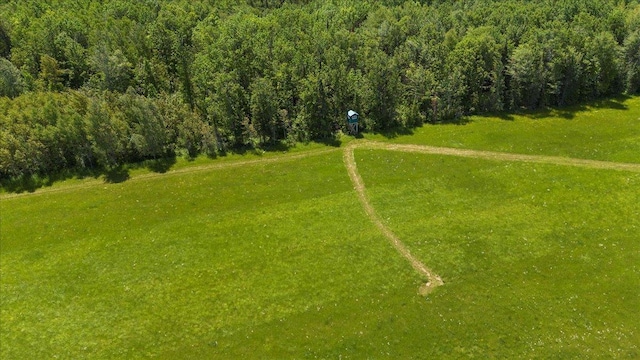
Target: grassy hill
column 274, row 256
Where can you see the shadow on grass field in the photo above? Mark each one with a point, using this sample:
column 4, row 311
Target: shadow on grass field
column 569, row 112
column 31, row 183
column 117, row 174
column 122, row 172
column 612, row 120
column 394, row 133
column 276, row 259
column 605, row 130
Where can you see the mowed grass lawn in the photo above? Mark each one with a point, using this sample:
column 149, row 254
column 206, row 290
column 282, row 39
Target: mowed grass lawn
column 278, row 259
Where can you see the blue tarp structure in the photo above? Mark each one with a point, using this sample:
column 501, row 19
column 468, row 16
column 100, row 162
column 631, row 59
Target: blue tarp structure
column 352, row 120
column 352, row 116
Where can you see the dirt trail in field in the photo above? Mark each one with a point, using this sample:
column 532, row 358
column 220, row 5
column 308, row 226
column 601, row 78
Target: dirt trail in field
column 500, row 156
column 187, row 170
column 433, row 280
column 490, row 155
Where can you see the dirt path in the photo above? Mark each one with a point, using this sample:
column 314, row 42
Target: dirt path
column 500, row 156
column 433, row 280
column 187, row 170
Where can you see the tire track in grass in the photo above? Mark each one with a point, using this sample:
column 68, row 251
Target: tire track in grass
column 433, row 280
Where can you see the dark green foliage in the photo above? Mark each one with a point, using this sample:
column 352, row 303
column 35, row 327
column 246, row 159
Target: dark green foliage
column 264, row 109
column 107, row 134
column 11, row 82
column 526, row 69
column 45, row 132
column 243, row 73
column 148, row 135
column 632, row 62
column 112, row 70
column 5, row 40
column 476, row 61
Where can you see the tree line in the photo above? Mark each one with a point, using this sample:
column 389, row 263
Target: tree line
column 87, row 84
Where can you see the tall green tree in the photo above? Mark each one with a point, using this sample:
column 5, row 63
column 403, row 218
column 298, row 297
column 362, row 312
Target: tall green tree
column 477, row 60
column 5, row 40
column 108, row 135
column 264, row 109
column 112, row 70
column 604, row 68
column 147, row 130
column 312, row 115
column 526, row 68
column 379, row 90
column 74, row 61
column 51, row 74
column 11, row 82
column 171, row 38
column 631, row 60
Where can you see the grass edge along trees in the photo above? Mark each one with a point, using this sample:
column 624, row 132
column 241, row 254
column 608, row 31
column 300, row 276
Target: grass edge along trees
column 90, row 85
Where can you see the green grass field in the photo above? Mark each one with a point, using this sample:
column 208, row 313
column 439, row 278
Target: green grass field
column 276, row 258
column 605, row 130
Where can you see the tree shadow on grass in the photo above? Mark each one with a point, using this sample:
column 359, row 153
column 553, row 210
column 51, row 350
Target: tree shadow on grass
column 161, row 165
column 31, row 183
column 253, row 149
column 395, row 132
column 24, row 184
column 278, row 146
column 465, row 120
column 407, row 131
column 564, row 113
column 332, row 141
column 117, row 175
column 569, row 112
column 614, row 103
column 506, row 116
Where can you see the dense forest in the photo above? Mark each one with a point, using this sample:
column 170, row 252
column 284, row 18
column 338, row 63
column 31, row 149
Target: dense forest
column 94, row 84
